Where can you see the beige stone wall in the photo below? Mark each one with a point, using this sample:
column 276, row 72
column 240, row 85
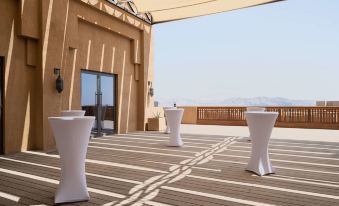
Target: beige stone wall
column 38, row 36
column 19, row 77
column 190, row 115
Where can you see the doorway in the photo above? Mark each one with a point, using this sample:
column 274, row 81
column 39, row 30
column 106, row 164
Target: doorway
column 2, row 62
column 98, row 98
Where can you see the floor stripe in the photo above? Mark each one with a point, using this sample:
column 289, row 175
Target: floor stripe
column 9, row 196
column 219, row 197
column 140, row 147
column 52, row 181
column 137, row 151
column 267, row 187
column 279, row 160
column 302, row 180
column 113, row 164
column 287, row 154
column 87, row 173
column 280, row 167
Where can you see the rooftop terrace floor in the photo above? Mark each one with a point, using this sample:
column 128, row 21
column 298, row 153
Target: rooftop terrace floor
column 137, row 169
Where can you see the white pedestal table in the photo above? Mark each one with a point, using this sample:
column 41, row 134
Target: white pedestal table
column 72, row 136
column 174, row 117
column 260, row 125
column 167, row 131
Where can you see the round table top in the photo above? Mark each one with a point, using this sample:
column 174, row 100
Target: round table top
column 68, row 118
column 76, row 110
column 174, row 109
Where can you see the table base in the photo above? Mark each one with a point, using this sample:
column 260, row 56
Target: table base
column 167, row 131
column 256, row 173
column 61, row 201
column 175, row 140
column 260, row 166
column 177, row 144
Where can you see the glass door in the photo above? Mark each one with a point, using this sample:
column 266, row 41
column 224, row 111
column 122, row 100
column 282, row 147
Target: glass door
column 98, row 99
column 107, row 89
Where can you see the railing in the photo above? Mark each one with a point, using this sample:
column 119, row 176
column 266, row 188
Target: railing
column 294, row 117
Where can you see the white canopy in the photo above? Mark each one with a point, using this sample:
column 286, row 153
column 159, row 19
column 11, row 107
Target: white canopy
column 170, row 10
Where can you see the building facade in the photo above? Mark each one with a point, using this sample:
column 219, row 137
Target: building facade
column 93, row 44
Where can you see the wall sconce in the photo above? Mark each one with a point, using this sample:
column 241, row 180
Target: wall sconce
column 151, row 90
column 59, row 82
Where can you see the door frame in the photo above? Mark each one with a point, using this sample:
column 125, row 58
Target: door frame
column 2, row 130
column 115, row 92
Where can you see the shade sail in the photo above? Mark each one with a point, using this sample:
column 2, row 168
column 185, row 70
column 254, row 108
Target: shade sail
column 170, row 10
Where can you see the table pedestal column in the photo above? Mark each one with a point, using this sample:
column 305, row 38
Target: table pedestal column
column 254, row 109
column 174, row 117
column 260, row 125
column 72, row 137
column 260, row 162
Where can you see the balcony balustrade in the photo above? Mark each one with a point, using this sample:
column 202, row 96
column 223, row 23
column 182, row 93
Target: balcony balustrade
column 291, row 117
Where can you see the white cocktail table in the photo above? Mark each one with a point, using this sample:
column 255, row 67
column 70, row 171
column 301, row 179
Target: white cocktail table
column 260, row 125
column 73, row 113
column 167, row 131
column 174, row 117
column 72, row 136
column 252, row 109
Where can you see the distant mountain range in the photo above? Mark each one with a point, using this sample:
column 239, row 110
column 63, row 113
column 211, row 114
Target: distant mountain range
column 256, row 101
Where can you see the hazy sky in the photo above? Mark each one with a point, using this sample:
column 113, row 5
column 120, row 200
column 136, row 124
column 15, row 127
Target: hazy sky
column 288, row 49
